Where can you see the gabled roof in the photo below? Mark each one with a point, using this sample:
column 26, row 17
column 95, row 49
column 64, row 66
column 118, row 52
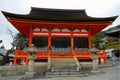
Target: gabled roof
column 114, row 32
column 58, row 15
column 62, row 18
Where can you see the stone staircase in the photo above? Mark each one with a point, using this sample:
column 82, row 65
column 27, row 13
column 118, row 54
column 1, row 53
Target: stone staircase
column 63, row 67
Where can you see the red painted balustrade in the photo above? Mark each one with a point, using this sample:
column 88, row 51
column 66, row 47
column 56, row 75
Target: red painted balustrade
column 43, row 54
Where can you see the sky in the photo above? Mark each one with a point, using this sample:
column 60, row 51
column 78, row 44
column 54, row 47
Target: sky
column 93, row 8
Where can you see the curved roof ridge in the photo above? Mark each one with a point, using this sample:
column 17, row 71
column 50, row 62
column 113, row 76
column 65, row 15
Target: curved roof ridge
column 49, row 14
column 57, row 9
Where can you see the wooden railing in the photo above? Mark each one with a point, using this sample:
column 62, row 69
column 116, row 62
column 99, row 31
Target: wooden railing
column 20, row 55
column 102, row 55
column 81, row 54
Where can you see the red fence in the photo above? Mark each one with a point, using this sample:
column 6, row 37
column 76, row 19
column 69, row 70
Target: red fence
column 22, row 55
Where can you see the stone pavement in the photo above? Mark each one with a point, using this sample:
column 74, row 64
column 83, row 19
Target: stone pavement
column 109, row 73
column 112, row 73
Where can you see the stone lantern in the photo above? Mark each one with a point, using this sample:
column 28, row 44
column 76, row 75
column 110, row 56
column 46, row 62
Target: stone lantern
column 31, row 73
column 94, row 59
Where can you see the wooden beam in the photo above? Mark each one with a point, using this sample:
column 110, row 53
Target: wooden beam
column 60, row 22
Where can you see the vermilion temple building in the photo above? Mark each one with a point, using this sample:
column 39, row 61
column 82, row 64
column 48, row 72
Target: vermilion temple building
column 58, row 33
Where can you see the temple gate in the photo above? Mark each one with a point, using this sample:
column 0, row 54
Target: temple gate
column 58, row 33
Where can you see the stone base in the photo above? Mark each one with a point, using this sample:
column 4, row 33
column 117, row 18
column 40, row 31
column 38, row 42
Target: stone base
column 95, row 71
column 30, row 75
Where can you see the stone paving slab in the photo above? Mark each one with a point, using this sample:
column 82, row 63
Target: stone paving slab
column 112, row 73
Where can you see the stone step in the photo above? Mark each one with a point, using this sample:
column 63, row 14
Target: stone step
column 63, row 58
column 65, row 74
column 63, row 67
column 62, row 61
column 66, row 65
column 60, row 67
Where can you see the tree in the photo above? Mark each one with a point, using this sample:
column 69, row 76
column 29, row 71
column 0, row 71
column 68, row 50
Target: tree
column 20, row 41
column 96, row 39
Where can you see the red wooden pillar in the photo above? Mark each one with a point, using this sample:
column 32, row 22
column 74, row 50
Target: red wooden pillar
column 15, row 61
column 19, row 61
column 105, row 60
column 49, row 43
column 30, row 38
column 99, row 60
column 89, row 41
column 26, row 61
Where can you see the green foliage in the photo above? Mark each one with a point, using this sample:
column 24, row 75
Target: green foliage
column 20, row 41
column 109, row 42
column 96, row 39
column 113, row 44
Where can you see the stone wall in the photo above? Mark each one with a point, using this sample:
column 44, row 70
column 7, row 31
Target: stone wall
column 13, row 70
column 20, row 69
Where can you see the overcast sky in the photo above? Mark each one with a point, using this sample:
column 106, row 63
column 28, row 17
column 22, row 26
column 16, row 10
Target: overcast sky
column 94, row 8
